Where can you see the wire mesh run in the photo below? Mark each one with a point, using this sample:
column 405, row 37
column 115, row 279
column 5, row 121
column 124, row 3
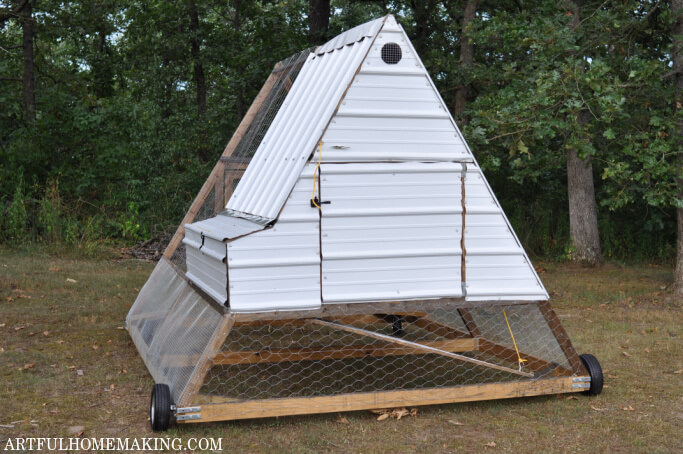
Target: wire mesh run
column 442, row 347
column 171, row 326
column 286, row 72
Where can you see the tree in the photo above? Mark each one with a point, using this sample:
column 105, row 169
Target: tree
column 583, row 210
column 319, row 21
column 466, row 58
column 195, row 40
column 677, row 7
column 29, row 79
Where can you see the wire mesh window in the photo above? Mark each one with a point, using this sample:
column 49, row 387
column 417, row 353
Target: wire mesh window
column 286, row 71
column 391, row 53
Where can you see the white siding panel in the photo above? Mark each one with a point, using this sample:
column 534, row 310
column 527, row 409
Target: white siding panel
column 371, row 279
column 207, row 271
column 497, row 267
column 279, row 268
column 391, row 231
column 392, row 113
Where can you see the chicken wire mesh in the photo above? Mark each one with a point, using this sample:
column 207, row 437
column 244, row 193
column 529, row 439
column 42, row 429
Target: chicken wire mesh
column 170, row 323
column 380, row 352
column 171, row 326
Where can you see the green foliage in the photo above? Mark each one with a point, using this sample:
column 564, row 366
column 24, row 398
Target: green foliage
column 17, row 218
column 50, row 214
column 119, row 149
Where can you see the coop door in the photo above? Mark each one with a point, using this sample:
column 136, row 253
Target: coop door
column 390, row 231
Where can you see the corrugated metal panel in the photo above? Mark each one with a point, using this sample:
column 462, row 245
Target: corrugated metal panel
column 279, row 268
column 391, row 231
column 223, row 227
column 392, row 112
column 497, row 266
column 365, row 30
column 295, row 131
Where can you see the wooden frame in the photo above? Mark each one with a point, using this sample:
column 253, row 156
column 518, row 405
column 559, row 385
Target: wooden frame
column 554, row 379
column 264, row 408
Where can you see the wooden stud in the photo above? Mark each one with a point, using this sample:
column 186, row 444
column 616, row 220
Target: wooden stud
column 562, row 338
column 205, row 361
column 417, row 346
column 219, row 167
column 219, row 191
column 469, row 322
column 493, row 348
column 264, row 408
column 340, row 352
column 439, row 329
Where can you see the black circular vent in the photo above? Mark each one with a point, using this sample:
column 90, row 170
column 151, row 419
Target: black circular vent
column 391, row 53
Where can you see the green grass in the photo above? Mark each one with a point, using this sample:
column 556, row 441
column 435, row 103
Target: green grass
column 626, row 316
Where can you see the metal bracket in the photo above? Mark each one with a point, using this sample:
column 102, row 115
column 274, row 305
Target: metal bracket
column 188, row 417
column 180, row 411
column 581, row 382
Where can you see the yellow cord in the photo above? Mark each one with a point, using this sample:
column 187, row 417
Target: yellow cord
column 514, row 342
column 315, row 173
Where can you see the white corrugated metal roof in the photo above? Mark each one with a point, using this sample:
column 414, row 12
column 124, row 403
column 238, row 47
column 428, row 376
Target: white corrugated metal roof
column 298, row 126
column 366, row 30
column 223, row 227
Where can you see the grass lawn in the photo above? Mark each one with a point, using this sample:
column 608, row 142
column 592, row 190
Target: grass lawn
column 66, row 361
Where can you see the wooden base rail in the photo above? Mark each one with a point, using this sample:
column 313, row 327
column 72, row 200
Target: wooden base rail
column 264, row 408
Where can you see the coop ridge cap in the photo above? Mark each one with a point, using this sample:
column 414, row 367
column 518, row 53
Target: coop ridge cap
column 366, row 30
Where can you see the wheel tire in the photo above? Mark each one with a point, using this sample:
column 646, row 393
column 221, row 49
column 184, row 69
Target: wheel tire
column 595, row 371
column 160, row 408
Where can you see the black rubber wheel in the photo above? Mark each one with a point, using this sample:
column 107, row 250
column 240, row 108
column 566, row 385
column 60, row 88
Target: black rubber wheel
column 160, row 408
column 595, row 371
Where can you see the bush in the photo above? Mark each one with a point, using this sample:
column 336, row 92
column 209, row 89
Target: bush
column 17, row 218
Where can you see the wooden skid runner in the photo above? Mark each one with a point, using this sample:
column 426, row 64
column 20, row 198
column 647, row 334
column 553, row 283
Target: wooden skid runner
column 265, row 408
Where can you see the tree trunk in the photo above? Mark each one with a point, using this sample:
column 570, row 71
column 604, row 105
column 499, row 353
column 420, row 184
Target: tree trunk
column 583, row 211
column 239, row 101
column 318, row 21
column 29, row 80
column 677, row 7
column 466, row 59
column 199, row 78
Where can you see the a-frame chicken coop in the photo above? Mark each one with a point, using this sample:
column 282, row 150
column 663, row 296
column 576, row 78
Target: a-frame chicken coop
column 347, row 253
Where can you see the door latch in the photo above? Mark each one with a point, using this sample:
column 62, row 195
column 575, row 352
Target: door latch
column 315, row 201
